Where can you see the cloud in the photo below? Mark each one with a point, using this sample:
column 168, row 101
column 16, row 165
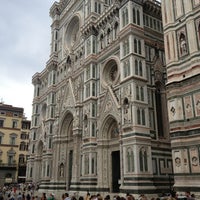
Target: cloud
column 25, row 48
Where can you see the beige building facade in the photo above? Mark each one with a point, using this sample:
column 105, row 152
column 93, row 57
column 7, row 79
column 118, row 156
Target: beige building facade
column 181, row 20
column 11, row 120
column 99, row 120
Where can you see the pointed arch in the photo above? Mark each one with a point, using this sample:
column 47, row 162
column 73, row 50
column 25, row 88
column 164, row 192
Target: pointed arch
column 67, row 125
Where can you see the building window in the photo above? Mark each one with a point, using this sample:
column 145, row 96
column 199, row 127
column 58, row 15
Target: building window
column 10, row 159
column 34, row 135
column 88, row 46
column 141, row 116
column 1, row 137
column 126, row 47
column 126, row 68
column 93, row 89
column 86, row 164
column 12, row 140
column 138, row 68
column 130, row 160
column 125, row 16
column 93, row 129
column 21, row 159
column 93, row 110
column 93, row 71
column 50, row 143
column 88, row 73
column 48, row 170
column 87, row 92
column 143, row 160
column 93, row 166
column 23, row 136
column 14, row 124
column 31, row 172
column 97, row 8
column 33, row 148
column 22, row 146
column 15, row 114
column 139, row 93
column 137, row 46
column 136, row 16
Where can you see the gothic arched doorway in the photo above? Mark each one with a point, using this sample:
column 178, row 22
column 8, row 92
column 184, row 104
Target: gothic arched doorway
column 66, row 151
column 111, row 133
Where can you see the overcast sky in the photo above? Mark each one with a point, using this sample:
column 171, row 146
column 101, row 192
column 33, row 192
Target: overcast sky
column 24, row 48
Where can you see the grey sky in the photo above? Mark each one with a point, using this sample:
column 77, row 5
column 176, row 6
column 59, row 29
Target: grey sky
column 24, row 48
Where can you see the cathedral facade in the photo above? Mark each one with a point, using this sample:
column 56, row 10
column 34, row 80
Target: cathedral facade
column 181, row 20
column 99, row 120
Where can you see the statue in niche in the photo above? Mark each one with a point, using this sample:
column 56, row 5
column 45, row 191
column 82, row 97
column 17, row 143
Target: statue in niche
column 126, row 111
column 62, row 170
column 85, row 125
column 183, row 44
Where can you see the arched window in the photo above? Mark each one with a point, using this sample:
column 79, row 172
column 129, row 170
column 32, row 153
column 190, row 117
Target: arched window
column 34, row 135
column 143, row 160
column 101, row 42
column 140, row 68
column 50, row 143
column 93, row 129
column 86, row 164
column 51, row 128
column 142, row 93
column 93, row 165
column 139, row 47
column 137, row 93
column 130, row 160
column 21, row 159
column 143, row 117
column 138, row 17
column 135, row 46
column 48, row 170
column 125, row 16
column 138, row 116
column 136, row 67
column 199, row 32
column 115, row 29
column 134, row 16
column 108, row 36
column 31, row 172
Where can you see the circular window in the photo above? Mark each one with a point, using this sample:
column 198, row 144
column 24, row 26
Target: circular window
column 110, row 72
column 72, row 33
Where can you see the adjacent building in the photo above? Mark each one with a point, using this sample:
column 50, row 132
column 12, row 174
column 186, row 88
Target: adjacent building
column 181, row 20
column 11, row 141
column 99, row 120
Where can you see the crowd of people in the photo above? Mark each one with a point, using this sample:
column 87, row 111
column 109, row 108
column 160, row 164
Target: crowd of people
column 26, row 192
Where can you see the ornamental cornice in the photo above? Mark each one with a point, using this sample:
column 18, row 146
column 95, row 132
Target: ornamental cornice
column 54, row 10
column 36, row 78
column 154, row 7
column 52, row 63
column 96, row 22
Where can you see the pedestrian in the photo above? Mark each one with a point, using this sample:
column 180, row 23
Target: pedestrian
column 44, row 196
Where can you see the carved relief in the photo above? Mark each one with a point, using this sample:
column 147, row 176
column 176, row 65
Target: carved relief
column 188, row 107
column 177, row 161
column 175, row 109
column 77, row 88
column 194, row 159
column 197, row 103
